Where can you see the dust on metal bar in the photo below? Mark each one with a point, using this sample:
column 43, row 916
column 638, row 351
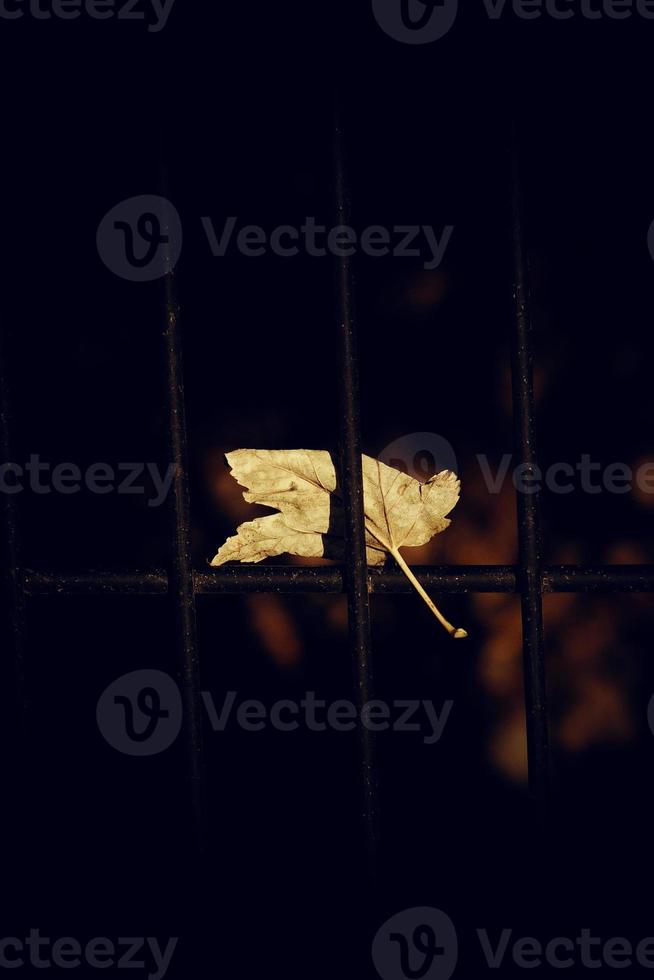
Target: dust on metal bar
column 356, row 568
column 530, row 580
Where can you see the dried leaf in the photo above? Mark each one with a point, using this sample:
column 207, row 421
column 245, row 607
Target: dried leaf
column 302, row 485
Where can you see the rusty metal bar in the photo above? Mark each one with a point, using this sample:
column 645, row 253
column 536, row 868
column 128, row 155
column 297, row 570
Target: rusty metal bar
column 301, row 580
column 356, row 567
column 181, row 583
column 12, row 576
column 530, row 579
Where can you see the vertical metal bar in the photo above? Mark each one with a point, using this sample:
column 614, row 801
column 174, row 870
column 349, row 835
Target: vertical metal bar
column 181, row 587
column 530, row 582
column 356, row 568
column 12, row 573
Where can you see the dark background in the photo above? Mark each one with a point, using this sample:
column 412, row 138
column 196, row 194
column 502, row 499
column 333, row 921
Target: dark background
column 96, row 843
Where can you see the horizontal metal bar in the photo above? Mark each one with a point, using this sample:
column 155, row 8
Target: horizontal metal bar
column 486, row 578
column 96, row 583
column 603, row 578
column 295, row 579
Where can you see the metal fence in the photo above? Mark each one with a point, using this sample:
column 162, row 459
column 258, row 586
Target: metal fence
column 182, row 583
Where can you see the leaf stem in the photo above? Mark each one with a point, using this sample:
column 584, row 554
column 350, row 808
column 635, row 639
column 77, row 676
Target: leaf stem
column 458, row 634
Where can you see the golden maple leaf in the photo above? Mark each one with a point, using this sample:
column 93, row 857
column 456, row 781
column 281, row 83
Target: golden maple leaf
column 302, row 485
